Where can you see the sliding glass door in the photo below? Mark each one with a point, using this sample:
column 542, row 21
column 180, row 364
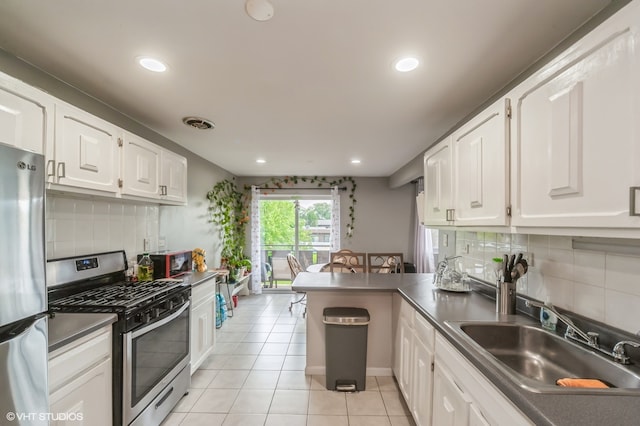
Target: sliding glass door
column 297, row 226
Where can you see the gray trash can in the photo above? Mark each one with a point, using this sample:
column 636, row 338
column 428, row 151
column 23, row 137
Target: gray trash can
column 346, row 348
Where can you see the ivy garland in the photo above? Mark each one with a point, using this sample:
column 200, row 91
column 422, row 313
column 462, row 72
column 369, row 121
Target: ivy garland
column 280, row 182
column 229, row 207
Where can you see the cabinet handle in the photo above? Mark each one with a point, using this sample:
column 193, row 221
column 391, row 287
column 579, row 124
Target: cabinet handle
column 450, row 213
column 62, row 170
column 164, row 397
column 51, row 168
column 632, row 200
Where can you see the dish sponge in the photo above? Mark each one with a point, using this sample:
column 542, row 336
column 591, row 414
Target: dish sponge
column 581, row 383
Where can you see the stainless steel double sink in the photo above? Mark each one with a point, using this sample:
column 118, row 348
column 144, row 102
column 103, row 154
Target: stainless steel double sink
column 534, row 358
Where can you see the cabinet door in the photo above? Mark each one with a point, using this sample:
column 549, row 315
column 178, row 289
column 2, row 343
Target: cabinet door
column 480, row 168
column 450, row 405
column 578, row 134
column 202, row 329
column 85, row 400
column 406, row 367
column 173, row 177
column 476, row 418
column 26, row 115
column 438, row 185
column 86, row 151
column 421, row 395
column 140, row 167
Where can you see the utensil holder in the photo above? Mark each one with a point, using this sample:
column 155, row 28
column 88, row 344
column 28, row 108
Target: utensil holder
column 506, row 298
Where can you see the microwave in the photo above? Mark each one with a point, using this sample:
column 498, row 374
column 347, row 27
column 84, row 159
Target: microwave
column 170, row 264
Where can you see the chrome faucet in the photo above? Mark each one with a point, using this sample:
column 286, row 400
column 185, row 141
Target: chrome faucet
column 589, row 338
column 619, row 353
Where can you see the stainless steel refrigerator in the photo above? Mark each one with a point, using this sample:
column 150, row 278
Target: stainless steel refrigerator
column 24, row 391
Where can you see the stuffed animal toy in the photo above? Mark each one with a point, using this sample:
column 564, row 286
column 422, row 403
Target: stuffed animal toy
column 199, row 261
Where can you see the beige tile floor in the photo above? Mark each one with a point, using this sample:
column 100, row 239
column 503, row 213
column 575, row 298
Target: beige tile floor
column 255, row 376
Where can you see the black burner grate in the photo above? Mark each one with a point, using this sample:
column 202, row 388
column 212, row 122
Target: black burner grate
column 116, row 297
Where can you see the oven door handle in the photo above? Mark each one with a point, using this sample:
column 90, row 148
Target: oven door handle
column 160, row 323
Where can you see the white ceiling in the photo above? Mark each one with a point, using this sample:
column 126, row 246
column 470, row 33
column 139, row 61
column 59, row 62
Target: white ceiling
column 309, row 89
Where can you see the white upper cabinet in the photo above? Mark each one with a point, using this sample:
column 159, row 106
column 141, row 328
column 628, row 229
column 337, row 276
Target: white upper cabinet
column 85, row 153
column 480, row 168
column 173, row 177
column 576, row 133
column 467, row 174
column 438, row 185
column 140, row 167
column 26, row 115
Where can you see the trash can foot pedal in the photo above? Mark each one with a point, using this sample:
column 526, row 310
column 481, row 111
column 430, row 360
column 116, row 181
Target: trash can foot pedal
column 346, row 387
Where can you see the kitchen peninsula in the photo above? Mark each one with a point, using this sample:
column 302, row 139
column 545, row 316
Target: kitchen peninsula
column 386, row 295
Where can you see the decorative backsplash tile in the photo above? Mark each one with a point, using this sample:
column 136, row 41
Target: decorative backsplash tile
column 596, row 284
column 77, row 226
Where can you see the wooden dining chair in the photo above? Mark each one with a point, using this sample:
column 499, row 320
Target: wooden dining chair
column 296, row 268
column 347, row 261
column 384, row 263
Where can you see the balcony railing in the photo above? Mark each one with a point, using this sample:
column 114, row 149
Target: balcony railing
column 276, row 256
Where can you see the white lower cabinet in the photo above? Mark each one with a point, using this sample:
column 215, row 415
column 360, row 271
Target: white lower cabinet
column 422, row 377
column 203, row 317
column 463, row 396
column 450, row 404
column 414, row 362
column 440, row 386
column 80, row 381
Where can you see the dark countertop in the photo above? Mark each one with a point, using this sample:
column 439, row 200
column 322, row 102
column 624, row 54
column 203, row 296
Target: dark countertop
column 65, row 328
column 197, row 278
column 438, row 306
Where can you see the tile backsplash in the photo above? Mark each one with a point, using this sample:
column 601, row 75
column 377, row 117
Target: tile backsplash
column 77, row 226
column 596, row 284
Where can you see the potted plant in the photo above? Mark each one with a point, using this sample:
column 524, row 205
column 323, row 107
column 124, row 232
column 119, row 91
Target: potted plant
column 227, row 206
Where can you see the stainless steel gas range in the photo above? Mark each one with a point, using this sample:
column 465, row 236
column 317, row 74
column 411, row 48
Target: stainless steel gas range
column 151, row 368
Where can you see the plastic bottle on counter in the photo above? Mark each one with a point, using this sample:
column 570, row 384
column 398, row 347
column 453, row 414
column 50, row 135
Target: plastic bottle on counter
column 548, row 320
column 145, row 268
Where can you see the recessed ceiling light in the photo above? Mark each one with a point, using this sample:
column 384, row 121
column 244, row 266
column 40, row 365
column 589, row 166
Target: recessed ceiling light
column 407, row 64
column 152, row 64
column 261, row 161
column 355, row 161
column 260, row 10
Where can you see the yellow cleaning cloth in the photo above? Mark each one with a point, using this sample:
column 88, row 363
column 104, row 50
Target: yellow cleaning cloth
column 581, row 383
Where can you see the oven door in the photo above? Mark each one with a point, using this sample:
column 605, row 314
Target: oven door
column 153, row 356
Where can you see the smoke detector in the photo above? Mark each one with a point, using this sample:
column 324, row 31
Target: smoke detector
column 198, row 123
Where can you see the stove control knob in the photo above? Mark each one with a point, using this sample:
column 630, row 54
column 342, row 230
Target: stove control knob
column 143, row 317
column 168, row 305
column 155, row 312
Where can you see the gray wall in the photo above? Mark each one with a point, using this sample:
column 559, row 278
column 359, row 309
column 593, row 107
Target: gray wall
column 383, row 216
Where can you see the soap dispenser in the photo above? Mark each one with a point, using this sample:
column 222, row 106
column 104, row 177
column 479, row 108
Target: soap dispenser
column 548, row 319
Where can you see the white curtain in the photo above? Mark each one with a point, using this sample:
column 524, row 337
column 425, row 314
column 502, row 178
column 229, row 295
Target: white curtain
column 334, row 237
column 256, row 258
column 423, row 244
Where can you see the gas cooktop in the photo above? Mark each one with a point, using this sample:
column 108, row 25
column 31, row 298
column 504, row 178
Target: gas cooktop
column 116, row 297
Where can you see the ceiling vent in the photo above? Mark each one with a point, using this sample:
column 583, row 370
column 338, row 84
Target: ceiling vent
column 198, row 123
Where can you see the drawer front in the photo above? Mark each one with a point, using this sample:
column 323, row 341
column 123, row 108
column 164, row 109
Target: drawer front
column 203, row 291
column 74, row 359
column 424, row 331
